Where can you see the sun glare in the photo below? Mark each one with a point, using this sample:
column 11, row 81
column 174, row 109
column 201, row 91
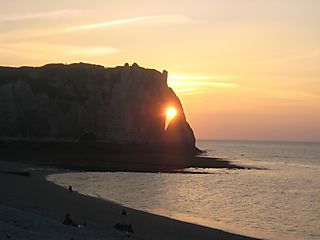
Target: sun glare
column 171, row 112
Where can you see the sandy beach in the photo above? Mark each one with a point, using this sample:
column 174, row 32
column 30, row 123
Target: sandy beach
column 33, row 208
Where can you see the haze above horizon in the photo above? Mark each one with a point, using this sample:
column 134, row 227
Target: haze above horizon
column 243, row 69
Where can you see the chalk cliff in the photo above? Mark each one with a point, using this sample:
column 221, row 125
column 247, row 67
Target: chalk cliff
column 61, row 102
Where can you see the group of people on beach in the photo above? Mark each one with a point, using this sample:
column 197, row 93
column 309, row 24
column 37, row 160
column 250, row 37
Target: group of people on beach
column 123, row 225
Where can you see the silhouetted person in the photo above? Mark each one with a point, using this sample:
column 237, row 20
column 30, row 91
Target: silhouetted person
column 123, row 225
column 124, row 217
column 68, row 221
column 70, row 188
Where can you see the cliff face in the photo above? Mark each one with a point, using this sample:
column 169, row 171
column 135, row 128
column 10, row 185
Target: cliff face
column 66, row 102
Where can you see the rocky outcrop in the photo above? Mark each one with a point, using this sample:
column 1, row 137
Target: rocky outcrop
column 61, row 102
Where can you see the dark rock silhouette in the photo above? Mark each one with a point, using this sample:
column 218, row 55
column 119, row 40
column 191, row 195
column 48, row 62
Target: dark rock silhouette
column 91, row 103
column 179, row 127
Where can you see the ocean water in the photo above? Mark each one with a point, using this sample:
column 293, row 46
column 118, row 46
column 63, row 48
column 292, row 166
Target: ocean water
column 280, row 202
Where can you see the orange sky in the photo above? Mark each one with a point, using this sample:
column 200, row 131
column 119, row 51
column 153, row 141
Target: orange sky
column 243, row 69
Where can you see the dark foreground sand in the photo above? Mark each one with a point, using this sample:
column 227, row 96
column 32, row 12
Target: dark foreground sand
column 33, row 208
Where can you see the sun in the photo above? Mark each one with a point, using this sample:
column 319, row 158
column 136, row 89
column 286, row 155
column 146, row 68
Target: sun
column 171, row 112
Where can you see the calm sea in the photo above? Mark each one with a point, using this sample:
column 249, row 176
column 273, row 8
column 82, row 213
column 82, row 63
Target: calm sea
column 281, row 202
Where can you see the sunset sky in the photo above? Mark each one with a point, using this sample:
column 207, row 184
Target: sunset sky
column 243, row 69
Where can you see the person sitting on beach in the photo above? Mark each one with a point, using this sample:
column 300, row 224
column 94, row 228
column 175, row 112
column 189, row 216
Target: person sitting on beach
column 68, row 221
column 70, row 188
column 123, row 225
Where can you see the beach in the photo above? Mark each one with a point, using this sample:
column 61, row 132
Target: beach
column 34, row 208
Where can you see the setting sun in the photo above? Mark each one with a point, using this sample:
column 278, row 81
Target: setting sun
column 171, row 112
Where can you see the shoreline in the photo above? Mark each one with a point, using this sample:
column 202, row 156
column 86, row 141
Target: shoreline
column 118, row 158
column 35, row 195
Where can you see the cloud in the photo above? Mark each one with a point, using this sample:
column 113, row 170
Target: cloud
column 290, row 94
column 193, row 81
column 188, row 93
column 199, row 84
column 88, row 50
column 40, row 53
column 163, row 19
column 29, row 16
column 184, row 90
column 188, row 77
column 214, row 84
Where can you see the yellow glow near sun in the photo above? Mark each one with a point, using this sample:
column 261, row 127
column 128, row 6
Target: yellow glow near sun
column 171, row 112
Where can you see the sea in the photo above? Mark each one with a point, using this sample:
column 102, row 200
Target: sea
column 280, row 200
